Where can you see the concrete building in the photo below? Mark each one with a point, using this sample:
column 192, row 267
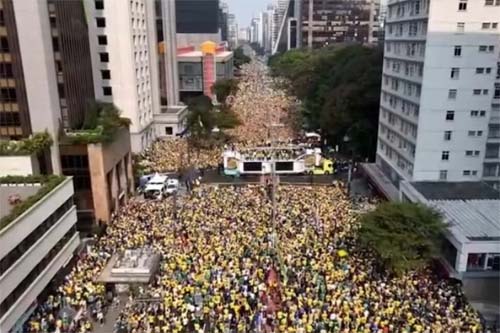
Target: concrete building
column 29, row 93
column 103, row 178
column 197, row 21
column 470, row 247
column 125, row 65
column 36, row 245
column 327, row 22
column 286, row 30
column 198, row 70
column 233, row 31
column 440, row 100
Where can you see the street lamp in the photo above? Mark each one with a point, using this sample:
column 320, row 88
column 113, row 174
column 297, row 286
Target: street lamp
column 347, row 140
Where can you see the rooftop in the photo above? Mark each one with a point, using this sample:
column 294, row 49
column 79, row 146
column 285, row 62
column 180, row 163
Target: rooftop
column 456, row 190
column 17, row 192
column 477, row 220
column 471, row 208
column 20, row 193
column 131, row 266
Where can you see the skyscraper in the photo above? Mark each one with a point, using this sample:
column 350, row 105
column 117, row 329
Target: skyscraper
column 125, row 65
column 440, row 100
column 339, row 21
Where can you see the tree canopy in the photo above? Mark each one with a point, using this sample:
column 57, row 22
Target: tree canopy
column 403, row 235
column 340, row 89
column 240, row 58
column 225, row 87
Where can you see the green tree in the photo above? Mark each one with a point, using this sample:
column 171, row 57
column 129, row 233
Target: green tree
column 201, row 118
column 240, row 58
column 224, row 87
column 403, row 235
column 340, row 89
column 226, row 118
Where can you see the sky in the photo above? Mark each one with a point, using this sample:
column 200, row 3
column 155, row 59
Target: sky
column 246, row 9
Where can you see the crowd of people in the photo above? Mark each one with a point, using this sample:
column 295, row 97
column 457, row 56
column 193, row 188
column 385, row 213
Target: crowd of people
column 227, row 267
column 261, row 107
column 233, row 262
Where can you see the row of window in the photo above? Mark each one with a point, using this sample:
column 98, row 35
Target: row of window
column 450, row 114
column 10, row 119
column 14, row 296
column 448, row 134
column 34, row 236
column 455, row 72
column 443, row 174
column 452, row 93
column 445, row 154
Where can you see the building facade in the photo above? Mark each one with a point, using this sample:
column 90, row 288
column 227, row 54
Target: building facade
column 35, row 247
column 327, row 22
column 29, row 97
column 440, row 100
column 125, row 65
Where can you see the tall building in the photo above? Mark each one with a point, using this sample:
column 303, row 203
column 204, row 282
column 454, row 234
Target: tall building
column 440, row 99
column 233, row 31
column 36, row 245
column 50, row 81
column 125, row 65
column 255, row 30
column 197, row 21
column 30, row 90
column 286, row 30
column 223, row 21
column 326, row 22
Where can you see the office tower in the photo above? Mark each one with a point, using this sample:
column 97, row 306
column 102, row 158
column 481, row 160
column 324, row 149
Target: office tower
column 232, row 30
column 286, row 31
column 30, row 100
column 124, row 58
column 197, row 21
column 326, row 22
column 223, row 21
column 440, row 99
column 255, row 30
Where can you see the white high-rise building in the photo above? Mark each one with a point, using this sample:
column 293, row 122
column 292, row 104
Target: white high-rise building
column 232, row 27
column 440, row 99
column 124, row 61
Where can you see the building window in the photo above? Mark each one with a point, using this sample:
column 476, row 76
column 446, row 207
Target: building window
column 483, row 261
column 100, row 22
column 482, row 113
column 471, row 133
column 104, row 56
column 455, row 73
column 4, row 44
column 460, row 27
column 462, row 5
column 480, row 70
column 6, row 70
column 102, row 40
column 445, row 155
column 452, row 94
column 107, row 91
column 483, row 48
column 488, row 2
column 474, row 172
column 169, row 130
column 443, row 174
column 485, row 91
column 494, row 25
column 450, row 115
column 466, row 172
column 485, row 25
column 106, row 74
column 474, row 113
column 447, row 135
column 99, row 4
column 476, row 92
column 457, row 51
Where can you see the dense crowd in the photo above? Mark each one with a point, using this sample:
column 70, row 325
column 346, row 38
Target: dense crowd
column 260, row 105
column 228, row 264
column 227, row 268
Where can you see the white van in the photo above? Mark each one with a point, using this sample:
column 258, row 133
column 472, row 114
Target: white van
column 172, row 185
column 156, row 188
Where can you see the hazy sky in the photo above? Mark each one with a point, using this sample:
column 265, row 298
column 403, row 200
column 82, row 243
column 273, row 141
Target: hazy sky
column 246, row 9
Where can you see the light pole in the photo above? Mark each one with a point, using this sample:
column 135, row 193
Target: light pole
column 347, row 140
